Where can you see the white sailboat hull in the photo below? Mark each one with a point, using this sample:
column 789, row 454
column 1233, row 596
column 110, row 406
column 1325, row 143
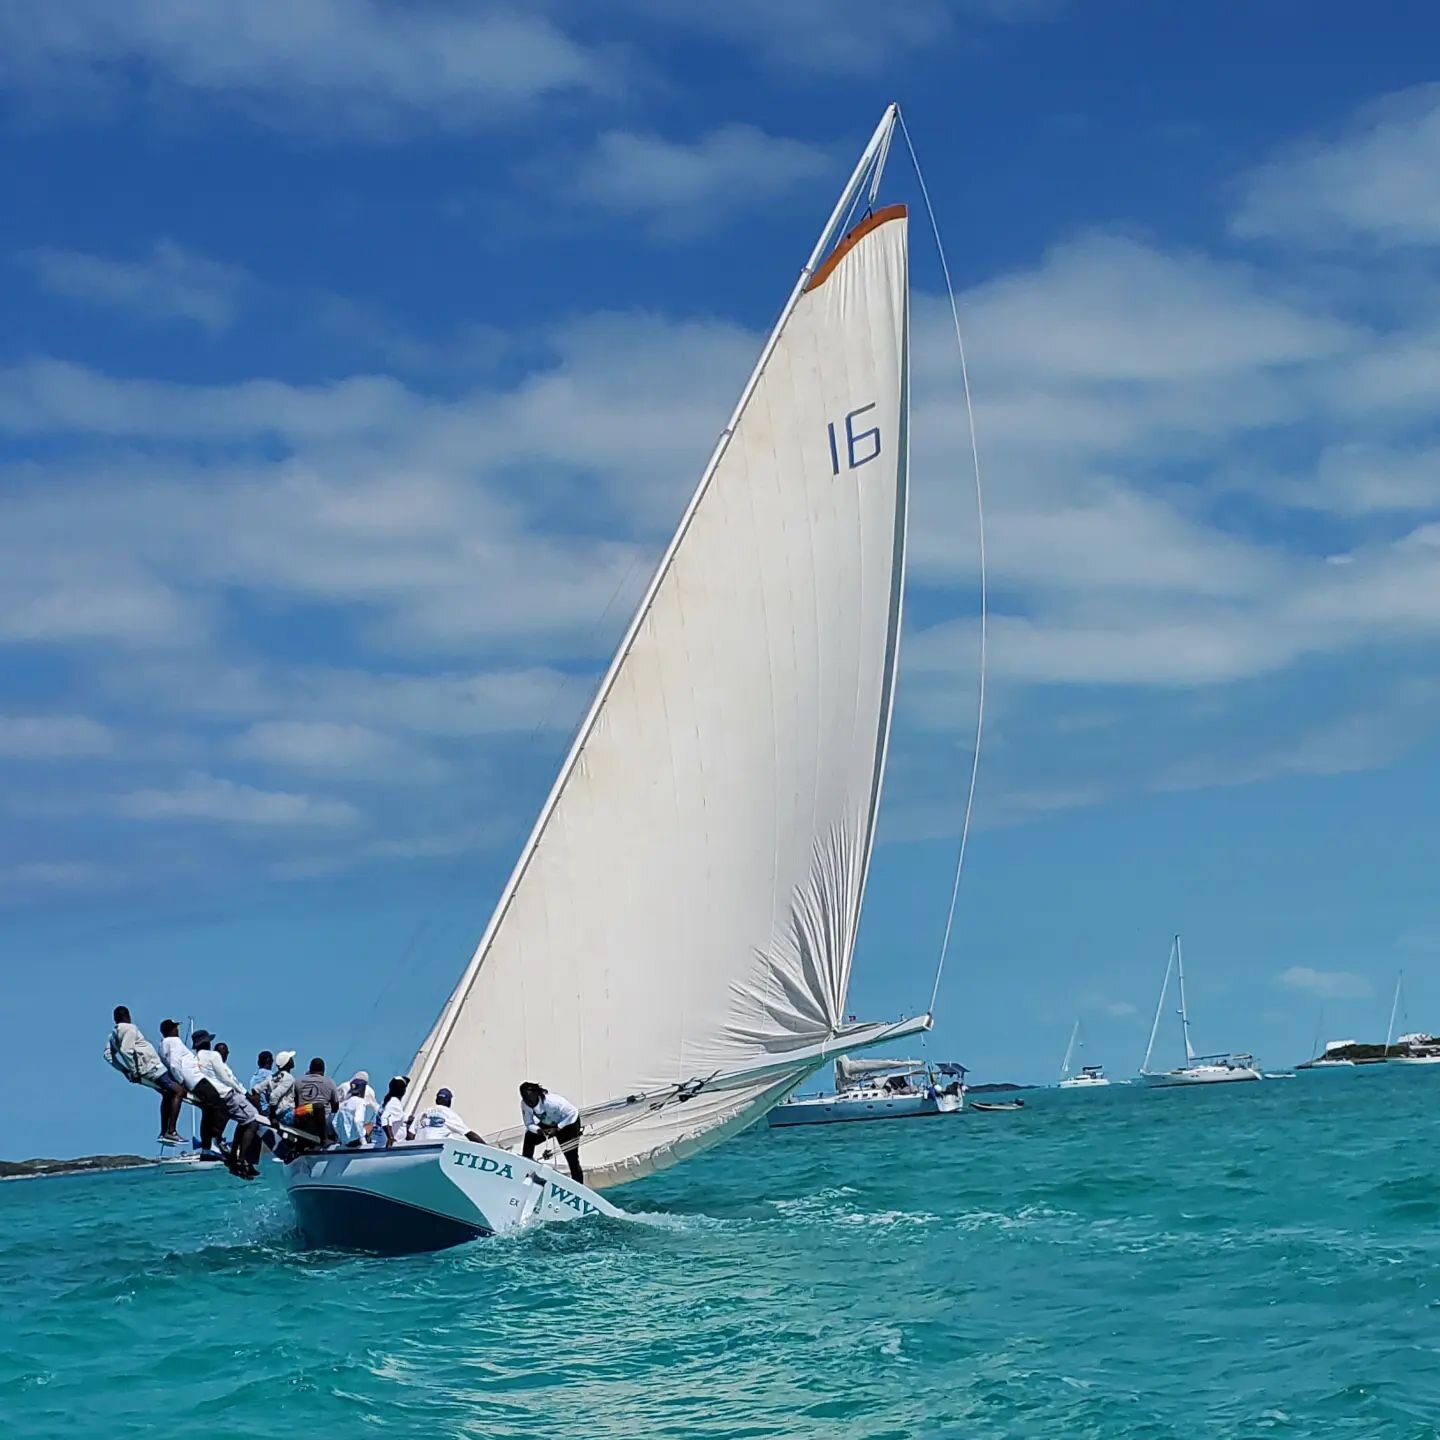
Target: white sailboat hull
column 1084, row 1082
column 1203, row 1075
column 842, row 1109
column 1412, row 1059
column 428, row 1197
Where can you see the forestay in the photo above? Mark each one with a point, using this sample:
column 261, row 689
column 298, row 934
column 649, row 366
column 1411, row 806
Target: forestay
column 687, row 906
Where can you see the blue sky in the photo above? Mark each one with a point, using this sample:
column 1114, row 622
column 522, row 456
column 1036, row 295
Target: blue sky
column 359, row 359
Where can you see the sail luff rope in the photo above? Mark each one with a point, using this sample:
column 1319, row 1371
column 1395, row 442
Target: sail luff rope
column 984, row 579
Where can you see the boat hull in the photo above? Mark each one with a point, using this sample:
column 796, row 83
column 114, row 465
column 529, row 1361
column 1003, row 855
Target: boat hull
column 415, row 1198
column 840, row 1110
column 1080, row 1082
column 1203, row 1075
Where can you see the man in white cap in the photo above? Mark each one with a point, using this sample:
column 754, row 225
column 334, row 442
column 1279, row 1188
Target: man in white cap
column 363, row 1076
column 275, row 1094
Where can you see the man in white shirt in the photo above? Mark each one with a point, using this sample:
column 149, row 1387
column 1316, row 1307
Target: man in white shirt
column 213, row 1067
column 136, row 1059
column 550, row 1116
column 355, row 1119
column 185, row 1070
column 438, row 1123
column 220, row 1096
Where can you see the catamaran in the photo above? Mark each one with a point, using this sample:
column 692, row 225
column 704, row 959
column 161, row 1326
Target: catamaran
column 1089, row 1077
column 1197, row 1069
column 673, row 948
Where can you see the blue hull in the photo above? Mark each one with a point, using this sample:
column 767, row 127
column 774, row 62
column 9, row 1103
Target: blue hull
column 343, row 1218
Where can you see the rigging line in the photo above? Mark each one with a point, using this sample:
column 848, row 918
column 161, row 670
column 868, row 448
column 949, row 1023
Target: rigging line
column 984, row 579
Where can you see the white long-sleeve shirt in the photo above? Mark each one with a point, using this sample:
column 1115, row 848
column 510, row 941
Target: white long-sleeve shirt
column 219, row 1074
column 554, row 1111
column 131, row 1053
column 438, row 1123
column 180, row 1061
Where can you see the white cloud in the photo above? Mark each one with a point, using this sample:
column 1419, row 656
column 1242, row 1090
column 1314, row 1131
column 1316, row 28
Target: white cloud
column 836, row 37
column 169, row 283
column 337, row 66
column 341, row 748
column 52, row 737
column 211, row 798
column 1326, row 984
column 1379, row 180
column 682, row 188
column 1109, row 308
column 316, row 745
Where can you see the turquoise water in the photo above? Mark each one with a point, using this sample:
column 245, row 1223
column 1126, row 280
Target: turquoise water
column 1251, row 1260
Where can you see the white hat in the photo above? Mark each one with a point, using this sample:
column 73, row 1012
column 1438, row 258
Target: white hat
column 361, row 1075
column 284, row 1058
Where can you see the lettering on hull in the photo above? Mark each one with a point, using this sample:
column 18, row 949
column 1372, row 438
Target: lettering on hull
column 577, row 1203
column 486, row 1164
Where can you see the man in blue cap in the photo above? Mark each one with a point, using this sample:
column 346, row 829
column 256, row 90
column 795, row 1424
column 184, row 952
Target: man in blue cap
column 438, row 1123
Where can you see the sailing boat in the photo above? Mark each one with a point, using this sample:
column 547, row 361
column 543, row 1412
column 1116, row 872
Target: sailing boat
column 1416, row 1049
column 1091, row 1077
column 1197, row 1069
column 877, row 1089
column 673, row 948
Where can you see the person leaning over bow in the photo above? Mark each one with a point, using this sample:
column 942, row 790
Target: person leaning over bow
column 548, row 1115
column 138, row 1061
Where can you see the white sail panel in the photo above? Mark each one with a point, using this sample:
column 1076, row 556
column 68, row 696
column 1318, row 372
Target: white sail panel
column 689, row 906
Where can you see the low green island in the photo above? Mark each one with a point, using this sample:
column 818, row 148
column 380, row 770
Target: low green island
column 32, row 1169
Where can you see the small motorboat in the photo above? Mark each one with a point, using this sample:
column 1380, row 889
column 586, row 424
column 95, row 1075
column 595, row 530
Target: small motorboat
column 997, row 1104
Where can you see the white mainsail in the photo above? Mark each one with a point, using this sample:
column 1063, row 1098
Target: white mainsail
column 686, row 908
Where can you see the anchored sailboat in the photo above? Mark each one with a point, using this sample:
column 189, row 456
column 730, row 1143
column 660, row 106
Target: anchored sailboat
column 1090, row 1077
column 673, row 948
column 1197, row 1069
column 1413, row 1049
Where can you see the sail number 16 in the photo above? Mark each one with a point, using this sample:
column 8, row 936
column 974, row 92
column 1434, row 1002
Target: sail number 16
column 855, row 447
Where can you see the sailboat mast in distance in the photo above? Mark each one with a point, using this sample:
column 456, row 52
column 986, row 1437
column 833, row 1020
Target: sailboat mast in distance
column 1184, row 1009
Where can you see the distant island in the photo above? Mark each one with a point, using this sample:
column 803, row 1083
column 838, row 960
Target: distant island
column 995, row 1088
column 1366, row 1053
column 29, row 1169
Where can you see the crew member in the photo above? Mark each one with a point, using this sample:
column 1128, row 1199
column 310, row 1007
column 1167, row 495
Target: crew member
column 316, row 1101
column 264, row 1066
column 214, row 1060
column 137, row 1060
column 217, row 1108
column 546, row 1116
column 438, row 1122
column 392, row 1114
column 279, row 1091
column 355, row 1120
